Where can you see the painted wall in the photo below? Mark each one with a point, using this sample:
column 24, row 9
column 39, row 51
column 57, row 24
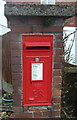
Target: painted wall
column 0, row 60
column 3, row 20
column 71, row 42
column 76, row 47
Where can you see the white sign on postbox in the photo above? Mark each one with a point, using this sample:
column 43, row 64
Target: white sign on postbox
column 37, row 71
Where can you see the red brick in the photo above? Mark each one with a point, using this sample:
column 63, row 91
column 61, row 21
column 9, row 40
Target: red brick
column 17, row 21
column 16, row 76
column 58, row 37
column 57, row 86
column 56, row 92
column 25, row 108
column 57, row 72
column 56, row 114
column 38, row 29
column 58, row 58
column 56, row 106
column 23, row 1
column 17, row 99
column 15, row 53
column 22, row 115
column 58, row 44
column 56, row 99
column 15, row 37
column 37, row 114
column 66, row 3
column 17, row 95
column 58, row 65
column 53, row 29
column 47, row 114
column 17, row 102
column 16, row 45
column 20, row 29
column 59, row 51
column 18, row 109
column 27, row 115
column 16, row 68
column 17, row 89
column 16, row 60
column 57, row 79
column 34, row 21
column 37, row 109
column 70, row 22
column 16, row 83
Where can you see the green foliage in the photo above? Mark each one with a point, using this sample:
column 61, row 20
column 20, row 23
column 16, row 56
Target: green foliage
column 8, row 96
column 47, row 21
column 5, row 115
column 69, row 95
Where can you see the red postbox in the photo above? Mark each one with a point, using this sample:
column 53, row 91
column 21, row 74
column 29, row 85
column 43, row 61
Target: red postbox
column 37, row 69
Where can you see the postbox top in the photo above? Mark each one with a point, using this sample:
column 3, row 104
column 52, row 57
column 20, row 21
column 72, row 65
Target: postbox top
column 37, row 39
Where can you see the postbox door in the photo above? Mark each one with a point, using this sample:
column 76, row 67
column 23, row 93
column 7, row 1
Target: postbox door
column 37, row 81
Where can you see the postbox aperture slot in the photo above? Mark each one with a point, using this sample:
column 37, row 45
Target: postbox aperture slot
column 37, row 47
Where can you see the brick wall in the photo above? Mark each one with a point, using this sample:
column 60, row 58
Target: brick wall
column 71, row 22
column 26, row 25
